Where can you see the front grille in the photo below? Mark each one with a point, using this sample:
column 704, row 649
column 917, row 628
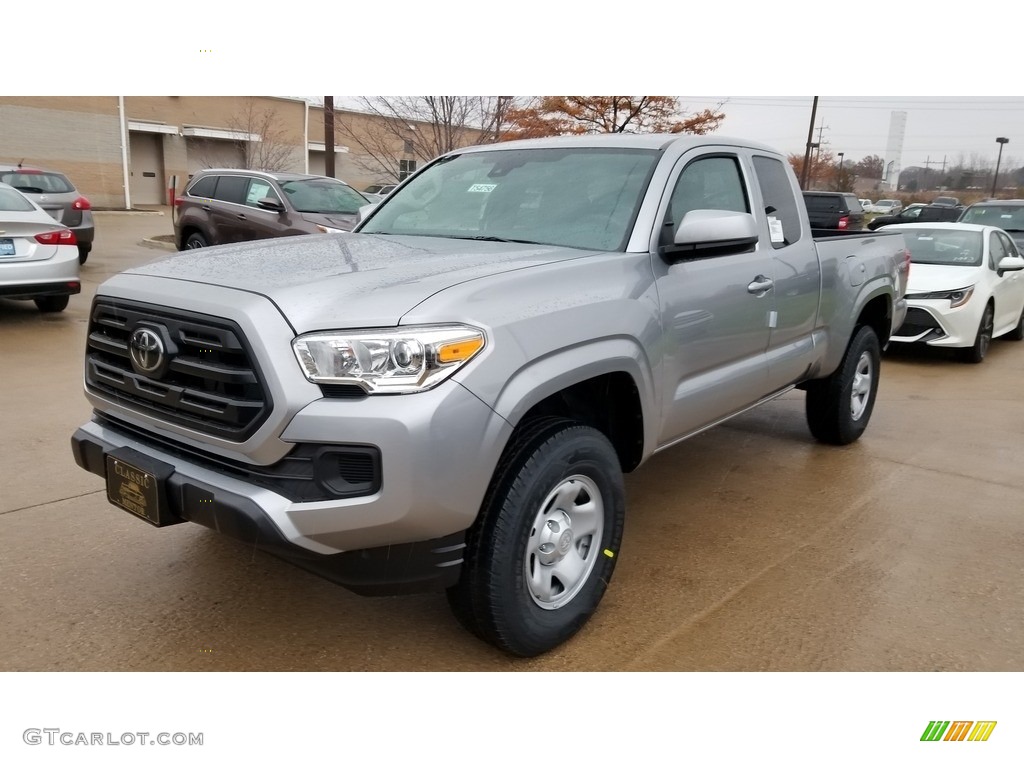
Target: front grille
column 211, row 383
column 917, row 322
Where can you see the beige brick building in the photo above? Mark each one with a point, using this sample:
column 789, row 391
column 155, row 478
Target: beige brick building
column 133, row 150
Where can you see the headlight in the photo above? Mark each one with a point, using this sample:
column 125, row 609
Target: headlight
column 329, row 230
column 956, row 298
column 395, row 360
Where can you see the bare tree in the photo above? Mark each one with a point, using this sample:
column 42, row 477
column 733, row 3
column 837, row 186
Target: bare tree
column 407, row 130
column 265, row 146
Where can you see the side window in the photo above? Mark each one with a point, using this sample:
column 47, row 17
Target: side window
column 996, row 251
column 231, row 189
column 1008, row 245
column 258, row 189
column 708, row 183
column 779, row 201
column 204, row 187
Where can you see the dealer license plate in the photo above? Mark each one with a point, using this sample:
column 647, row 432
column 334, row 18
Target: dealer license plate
column 134, row 490
column 6, row 246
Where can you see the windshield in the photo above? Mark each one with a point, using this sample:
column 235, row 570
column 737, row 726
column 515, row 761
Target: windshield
column 1008, row 217
column 577, row 197
column 944, row 246
column 323, row 196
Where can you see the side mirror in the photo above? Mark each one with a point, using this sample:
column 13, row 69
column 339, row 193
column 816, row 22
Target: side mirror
column 1010, row 264
column 270, row 204
column 712, row 233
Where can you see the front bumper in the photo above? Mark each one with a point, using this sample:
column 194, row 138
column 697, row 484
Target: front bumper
column 933, row 322
column 406, row 533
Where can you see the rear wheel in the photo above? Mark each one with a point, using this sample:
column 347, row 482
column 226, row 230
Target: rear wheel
column 983, row 340
column 541, row 554
column 195, row 240
column 838, row 408
column 52, row 303
column 83, row 252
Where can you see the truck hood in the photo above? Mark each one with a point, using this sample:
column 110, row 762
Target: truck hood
column 925, row 278
column 350, row 280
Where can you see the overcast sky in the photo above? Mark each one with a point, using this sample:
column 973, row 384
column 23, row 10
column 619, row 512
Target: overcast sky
column 896, row 59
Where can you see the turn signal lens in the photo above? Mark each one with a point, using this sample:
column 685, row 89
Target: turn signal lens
column 459, row 351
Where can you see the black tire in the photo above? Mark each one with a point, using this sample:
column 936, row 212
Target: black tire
column 1017, row 334
column 83, row 253
column 983, row 338
column 839, row 407
column 195, row 240
column 507, row 595
column 52, row 303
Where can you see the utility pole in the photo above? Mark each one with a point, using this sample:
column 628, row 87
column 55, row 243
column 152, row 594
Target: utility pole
column 329, row 136
column 807, row 153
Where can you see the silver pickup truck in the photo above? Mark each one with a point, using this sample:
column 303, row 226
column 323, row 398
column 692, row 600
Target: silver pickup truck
column 449, row 396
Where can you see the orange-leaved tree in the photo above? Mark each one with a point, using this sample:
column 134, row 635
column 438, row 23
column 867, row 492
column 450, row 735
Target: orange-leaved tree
column 561, row 115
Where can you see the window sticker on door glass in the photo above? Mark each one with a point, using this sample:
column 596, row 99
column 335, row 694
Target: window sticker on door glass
column 775, row 230
column 482, row 188
column 257, row 191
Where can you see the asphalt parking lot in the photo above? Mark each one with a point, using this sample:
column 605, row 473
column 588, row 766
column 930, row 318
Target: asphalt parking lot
column 749, row 547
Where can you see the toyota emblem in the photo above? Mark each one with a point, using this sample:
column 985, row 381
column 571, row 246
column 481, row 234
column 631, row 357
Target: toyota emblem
column 147, row 351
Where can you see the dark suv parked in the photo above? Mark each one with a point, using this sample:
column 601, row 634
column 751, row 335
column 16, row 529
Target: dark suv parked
column 834, row 210
column 918, row 214
column 229, row 205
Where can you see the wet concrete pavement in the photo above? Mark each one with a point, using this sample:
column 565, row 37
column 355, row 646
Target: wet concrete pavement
column 750, row 547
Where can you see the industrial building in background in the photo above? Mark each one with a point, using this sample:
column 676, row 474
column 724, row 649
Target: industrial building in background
column 127, row 151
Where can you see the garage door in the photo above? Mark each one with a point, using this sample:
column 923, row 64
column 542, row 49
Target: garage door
column 212, row 153
column 146, row 168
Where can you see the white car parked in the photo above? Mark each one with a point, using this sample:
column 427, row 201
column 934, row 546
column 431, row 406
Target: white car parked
column 966, row 287
column 887, row 207
column 38, row 256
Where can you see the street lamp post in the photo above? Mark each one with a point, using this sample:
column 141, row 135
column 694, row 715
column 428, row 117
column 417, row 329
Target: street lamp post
column 1001, row 140
column 839, row 175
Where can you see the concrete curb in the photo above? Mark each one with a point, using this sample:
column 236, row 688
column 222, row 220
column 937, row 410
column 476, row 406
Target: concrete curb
column 152, row 243
column 127, row 213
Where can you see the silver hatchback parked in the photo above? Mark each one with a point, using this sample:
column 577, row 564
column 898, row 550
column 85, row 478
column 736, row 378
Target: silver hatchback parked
column 54, row 193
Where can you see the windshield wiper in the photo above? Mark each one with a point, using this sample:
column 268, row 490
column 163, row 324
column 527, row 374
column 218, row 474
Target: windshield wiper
column 493, row 239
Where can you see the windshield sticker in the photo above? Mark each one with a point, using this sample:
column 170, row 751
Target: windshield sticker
column 482, row 187
column 775, row 230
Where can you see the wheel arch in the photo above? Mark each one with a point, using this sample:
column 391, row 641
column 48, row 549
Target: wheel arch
column 606, row 385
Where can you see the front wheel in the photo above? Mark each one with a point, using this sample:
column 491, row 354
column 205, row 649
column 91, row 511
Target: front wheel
column 543, row 549
column 195, row 240
column 983, row 339
column 839, row 407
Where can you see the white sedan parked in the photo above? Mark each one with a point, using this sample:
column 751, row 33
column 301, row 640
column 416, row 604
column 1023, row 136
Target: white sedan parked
column 38, row 256
column 966, row 287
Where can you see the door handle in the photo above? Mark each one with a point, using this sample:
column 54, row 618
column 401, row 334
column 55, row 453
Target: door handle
column 760, row 286
column 241, row 216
